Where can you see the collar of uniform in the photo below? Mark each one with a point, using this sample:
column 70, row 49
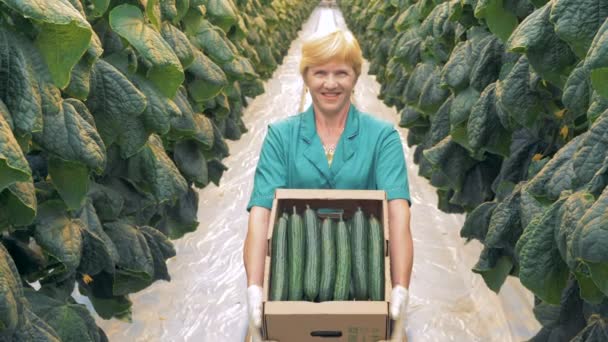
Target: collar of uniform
column 308, row 126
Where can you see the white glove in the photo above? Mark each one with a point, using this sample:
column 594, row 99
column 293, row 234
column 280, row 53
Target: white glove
column 399, row 298
column 254, row 305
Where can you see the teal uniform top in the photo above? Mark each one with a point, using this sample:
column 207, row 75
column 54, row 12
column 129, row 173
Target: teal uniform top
column 368, row 156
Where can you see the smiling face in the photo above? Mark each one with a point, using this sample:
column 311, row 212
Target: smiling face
column 331, row 85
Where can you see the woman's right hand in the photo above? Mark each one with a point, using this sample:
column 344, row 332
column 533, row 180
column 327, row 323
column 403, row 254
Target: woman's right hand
column 254, row 305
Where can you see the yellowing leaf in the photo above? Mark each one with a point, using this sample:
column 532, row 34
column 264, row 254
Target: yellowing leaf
column 87, row 279
column 537, row 157
column 560, row 114
column 564, row 132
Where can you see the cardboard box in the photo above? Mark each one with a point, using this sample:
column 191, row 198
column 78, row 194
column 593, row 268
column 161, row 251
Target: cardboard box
column 335, row 321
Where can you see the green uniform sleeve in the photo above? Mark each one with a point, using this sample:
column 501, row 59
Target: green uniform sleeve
column 271, row 171
column 391, row 173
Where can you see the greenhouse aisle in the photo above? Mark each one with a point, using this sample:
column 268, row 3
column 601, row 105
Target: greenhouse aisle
column 206, row 300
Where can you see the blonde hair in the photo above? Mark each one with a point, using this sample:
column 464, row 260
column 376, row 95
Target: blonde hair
column 338, row 45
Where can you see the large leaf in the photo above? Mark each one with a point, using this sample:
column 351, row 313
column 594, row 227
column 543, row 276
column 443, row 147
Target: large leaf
column 98, row 251
column 70, row 136
column 160, row 109
column 13, row 165
column 135, row 266
column 180, row 218
column 484, row 131
column 208, row 78
column 19, row 91
column 191, row 162
column 588, row 238
column 550, row 56
column 494, row 266
column 455, row 73
column 63, row 37
column 577, row 21
column 59, row 236
column 541, row 268
column 179, row 43
column 165, row 71
column 18, row 204
column 577, row 91
column 597, row 60
column 154, row 171
column 573, row 210
column 213, row 41
column 71, row 181
column 71, row 321
column 115, row 103
column 451, row 160
column 11, row 294
column 477, row 222
column 222, row 13
column 161, row 249
column 591, row 151
column 505, row 224
column 500, row 21
column 557, row 175
column 515, row 95
column 595, row 331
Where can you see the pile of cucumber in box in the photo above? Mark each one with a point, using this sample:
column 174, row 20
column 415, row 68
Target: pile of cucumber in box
column 318, row 258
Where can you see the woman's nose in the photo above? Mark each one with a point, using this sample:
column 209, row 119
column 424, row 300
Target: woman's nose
column 330, row 81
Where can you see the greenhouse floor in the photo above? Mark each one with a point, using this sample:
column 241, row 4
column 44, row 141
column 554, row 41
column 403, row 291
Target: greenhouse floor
column 206, row 299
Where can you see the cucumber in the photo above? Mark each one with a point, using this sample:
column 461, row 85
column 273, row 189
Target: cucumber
column 296, row 245
column 359, row 243
column 279, row 268
column 376, row 259
column 328, row 260
column 343, row 260
column 312, row 265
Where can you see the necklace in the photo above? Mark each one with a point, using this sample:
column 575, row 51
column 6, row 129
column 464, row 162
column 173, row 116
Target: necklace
column 329, row 152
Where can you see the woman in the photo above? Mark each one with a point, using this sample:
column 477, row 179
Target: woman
column 330, row 146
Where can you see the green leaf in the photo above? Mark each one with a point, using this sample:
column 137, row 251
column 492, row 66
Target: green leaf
column 135, row 266
column 98, row 250
column 191, row 162
column 541, row 268
column 440, row 122
column 19, row 91
column 181, row 218
column 514, row 94
column 587, row 241
column 577, row 21
column 80, row 81
column 72, row 322
column 59, row 236
column 116, row 104
column 161, row 249
column 450, row 160
column 71, row 179
column 63, row 37
column 166, row 71
column 500, row 21
column 160, row 109
column 484, row 131
column 487, row 56
column 107, row 306
column 494, row 267
column 557, row 175
column 208, row 78
column 598, row 105
column 107, row 202
column 97, row 8
column 153, row 170
column 591, row 152
column 461, row 106
column 13, row 165
column 11, row 294
column 222, row 13
column 577, row 91
column 418, row 78
column 589, row 291
column 572, row 211
column 70, row 136
column 432, row 96
column 595, row 331
column 18, row 204
column 505, row 224
column 550, row 56
column 153, row 12
column 213, row 42
column 477, row 222
column 597, row 61
column 216, row 169
column 205, row 133
column 456, row 71
column 179, row 43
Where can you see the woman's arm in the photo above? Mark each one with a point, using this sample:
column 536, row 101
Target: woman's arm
column 255, row 248
column 401, row 245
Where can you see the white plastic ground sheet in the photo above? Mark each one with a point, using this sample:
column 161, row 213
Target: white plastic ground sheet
column 206, row 299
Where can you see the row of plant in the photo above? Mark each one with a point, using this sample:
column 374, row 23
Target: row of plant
column 111, row 112
column 507, row 104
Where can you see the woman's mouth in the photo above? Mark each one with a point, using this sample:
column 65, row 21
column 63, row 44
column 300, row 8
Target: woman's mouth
column 330, row 96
